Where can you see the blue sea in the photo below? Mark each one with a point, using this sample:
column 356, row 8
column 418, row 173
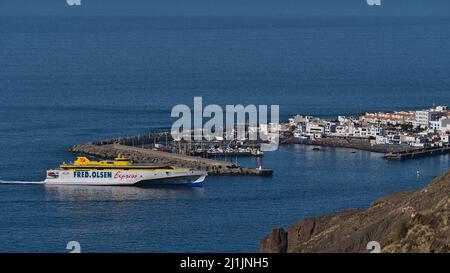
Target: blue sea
column 72, row 79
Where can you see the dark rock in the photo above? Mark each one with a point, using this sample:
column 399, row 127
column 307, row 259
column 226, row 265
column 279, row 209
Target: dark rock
column 275, row 242
column 416, row 221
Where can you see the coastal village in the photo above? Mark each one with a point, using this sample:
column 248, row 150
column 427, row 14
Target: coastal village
column 399, row 135
column 427, row 128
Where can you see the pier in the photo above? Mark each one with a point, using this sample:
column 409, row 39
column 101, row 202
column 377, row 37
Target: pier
column 418, row 153
column 110, row 150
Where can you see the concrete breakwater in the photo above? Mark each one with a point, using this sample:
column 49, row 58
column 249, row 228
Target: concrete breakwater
column 142, row 155
column 350, row 142
column 417, row 153
column 139, row 140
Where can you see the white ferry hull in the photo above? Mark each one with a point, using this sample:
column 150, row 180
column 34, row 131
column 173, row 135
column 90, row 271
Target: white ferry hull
column 124, row 178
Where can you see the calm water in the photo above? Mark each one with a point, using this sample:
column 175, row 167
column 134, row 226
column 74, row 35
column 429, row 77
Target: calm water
column 67, row 80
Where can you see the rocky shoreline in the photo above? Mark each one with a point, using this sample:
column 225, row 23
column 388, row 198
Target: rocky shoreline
column 415, row 221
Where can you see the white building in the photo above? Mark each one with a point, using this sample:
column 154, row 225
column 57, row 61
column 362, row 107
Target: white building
column 444, row 125
column 394, row 139
column 341, row 130
column 422, row 118
column 438, row 125
column 313, row 128
column 381, row 140
column 330, row 127
column 361, row 132
column 342, row 119
column 376, row 131
column 298, row 119
column 428, row 118
column 434, row 125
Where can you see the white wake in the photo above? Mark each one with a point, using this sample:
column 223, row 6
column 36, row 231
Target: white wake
column 22, row 182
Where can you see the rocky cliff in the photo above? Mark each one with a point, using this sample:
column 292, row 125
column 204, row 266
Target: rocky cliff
column 416, row 221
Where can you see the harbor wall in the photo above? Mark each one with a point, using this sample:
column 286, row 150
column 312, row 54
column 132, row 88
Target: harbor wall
column 350, row 142
column 417, row 153
column 141, row 155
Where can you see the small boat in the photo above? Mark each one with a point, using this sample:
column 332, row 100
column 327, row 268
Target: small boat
column 257, row 152
column 316, row 149
column 121, row 172
column 229, row 150
column 300, row 136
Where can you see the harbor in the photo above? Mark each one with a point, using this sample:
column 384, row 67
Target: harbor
column 163, row 141
column 145, row 155
column 398, row 135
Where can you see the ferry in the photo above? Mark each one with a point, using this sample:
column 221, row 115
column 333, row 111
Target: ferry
column 121, row 172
